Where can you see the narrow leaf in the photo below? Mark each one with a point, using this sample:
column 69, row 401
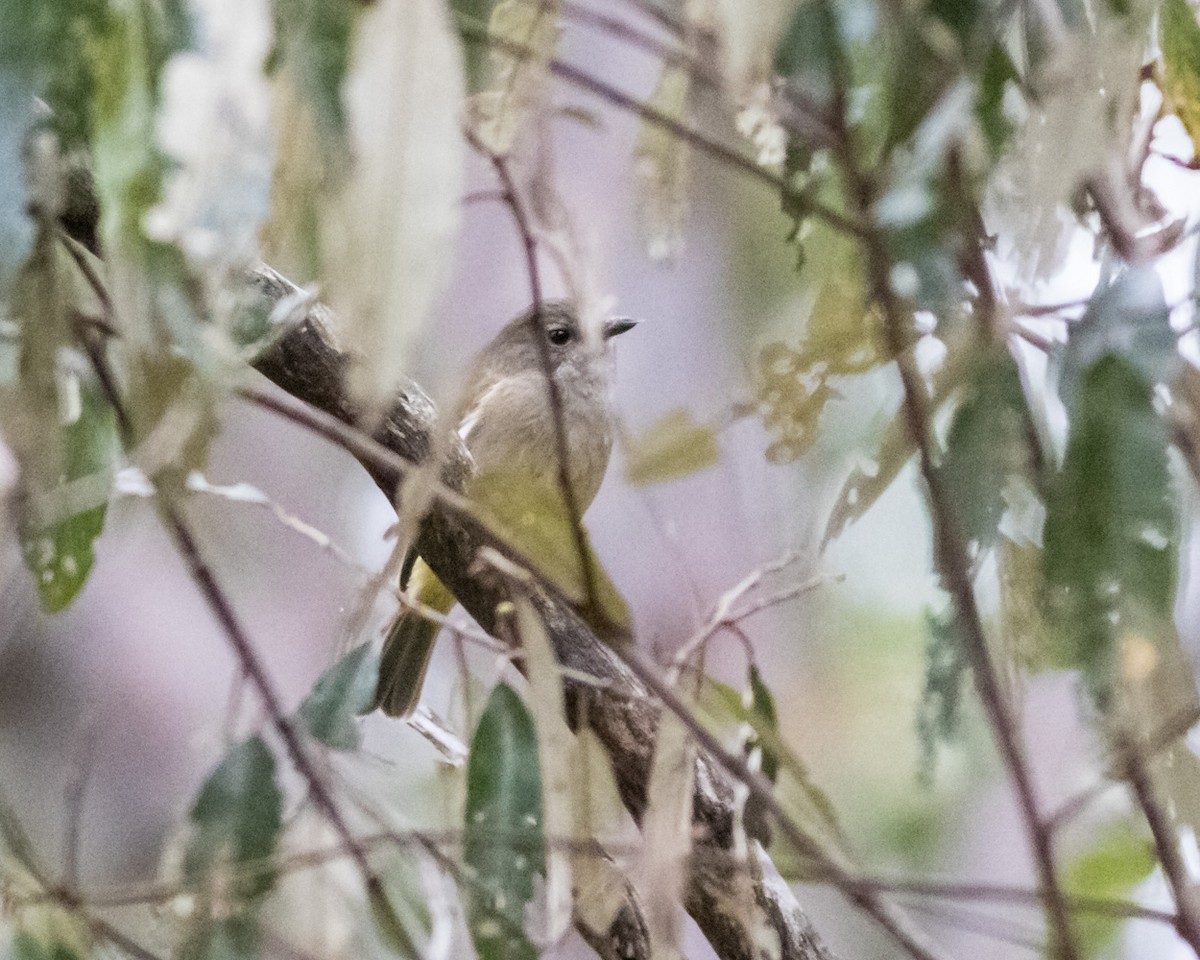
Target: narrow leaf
column 388, row 231
column 1179, row 40
column 1130, row 318
column 556, row 747
column 345, row 691
column 674, row 446
column 504, row 842
column 667, row 834
column 988, row 443
column 236, row 821
column 63, row 522
column 661, row 168
column 524, row 35
column 1111, row 525
column 720, row 706
column 863, row 487
column 945, row 667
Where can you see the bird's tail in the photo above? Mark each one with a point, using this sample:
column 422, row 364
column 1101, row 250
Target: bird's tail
column 409, row 645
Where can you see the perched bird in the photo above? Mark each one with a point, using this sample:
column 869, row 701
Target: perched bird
column 507, row 425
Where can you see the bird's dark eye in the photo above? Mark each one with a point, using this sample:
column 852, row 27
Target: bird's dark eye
column 559, row 335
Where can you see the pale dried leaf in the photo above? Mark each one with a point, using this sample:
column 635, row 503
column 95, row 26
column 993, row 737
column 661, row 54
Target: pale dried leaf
column 865, row 485
column 674, row 446
column 661, row 169
column 746, row 31
column 527, row 31
column 215, row 124
column 667, row 835
column 390, row 228
column 555, row 751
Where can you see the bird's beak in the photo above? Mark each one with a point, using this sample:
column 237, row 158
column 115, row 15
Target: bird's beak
column 617, row 325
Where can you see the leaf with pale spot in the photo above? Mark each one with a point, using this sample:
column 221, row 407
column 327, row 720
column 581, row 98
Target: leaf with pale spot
column 504, row 845
column 236, row 821
column 988, row 443
column 62, row 522
column 1112, row 524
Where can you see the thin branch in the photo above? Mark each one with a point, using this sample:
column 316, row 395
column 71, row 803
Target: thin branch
column 1153, row 744
column 950, row 553
column 475, row 32
column 537, row 325
column 952, row 890
column 79, row 773
column 635, row 37
column 722, row 615
column 218, row 603
column 914, row 941
column 1166, row 844
column 106, row 931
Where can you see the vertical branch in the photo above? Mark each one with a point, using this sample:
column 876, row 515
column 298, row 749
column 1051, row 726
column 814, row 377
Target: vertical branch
column 553, row 390
column 949, row 546
column 1166, row 845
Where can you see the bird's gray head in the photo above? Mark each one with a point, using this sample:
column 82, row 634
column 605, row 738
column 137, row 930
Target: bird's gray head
column 516, row 348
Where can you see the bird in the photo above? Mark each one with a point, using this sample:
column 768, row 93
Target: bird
column 507, row 424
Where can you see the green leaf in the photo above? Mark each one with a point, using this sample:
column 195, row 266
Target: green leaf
column 226, row 938
column 1115, row 862
column 127, row 59
column 961, row 16
column 1111, row 530
column 312, row 45
column 27, row 947
column 343, row 692
column 474, row 13
column 236, row 821
column 673, row 447
column 1179, row 40
column 762, row 706
column 504, row 844
column 535, row 522
column 998, row 72
column 988, row 443
column 64, row 521
column 48, row 42
column 913, row 93
column 807, row 48
column 661, row 169
column 1129, row 318
column 945, row 666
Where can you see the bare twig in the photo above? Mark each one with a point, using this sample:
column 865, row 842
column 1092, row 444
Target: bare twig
column 636, row 37
column 79, row 772
column 722, row 615
column 1155, row 742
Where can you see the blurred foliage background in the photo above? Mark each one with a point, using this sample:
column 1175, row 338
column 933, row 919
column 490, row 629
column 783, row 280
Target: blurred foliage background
column 918, row 290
